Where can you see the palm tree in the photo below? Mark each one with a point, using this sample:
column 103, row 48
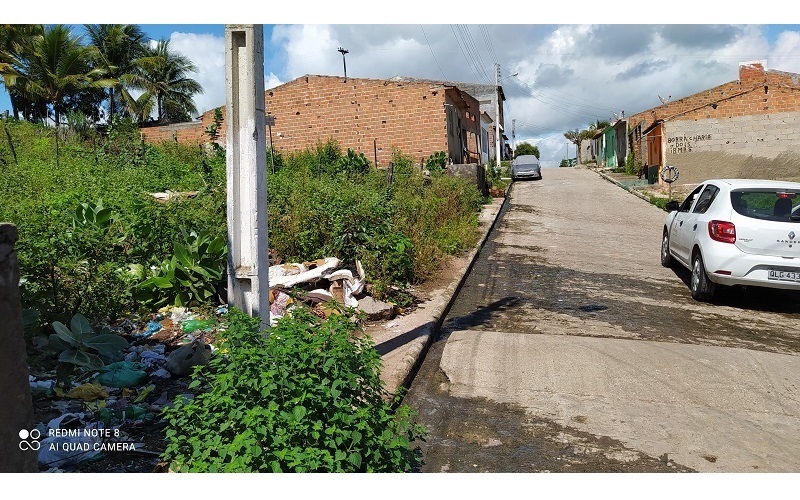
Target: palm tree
column 115, row 49
column 56, row 70
column 162, row 74
column 16, row 51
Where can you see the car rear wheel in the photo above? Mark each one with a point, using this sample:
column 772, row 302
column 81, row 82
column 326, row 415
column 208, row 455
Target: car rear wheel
column 702, row 287
column 666, row 258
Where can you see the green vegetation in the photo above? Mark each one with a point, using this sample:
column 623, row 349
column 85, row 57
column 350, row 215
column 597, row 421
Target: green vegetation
column 83, row 223
column 93, row 241
column 306, row 398
column 659, row 201
column 526, row 149
column 79, row 346
column 400, row 231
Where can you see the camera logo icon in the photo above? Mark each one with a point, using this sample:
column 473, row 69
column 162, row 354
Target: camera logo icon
column 29, row 440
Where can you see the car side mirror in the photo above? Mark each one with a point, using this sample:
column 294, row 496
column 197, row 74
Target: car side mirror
column 671, row 206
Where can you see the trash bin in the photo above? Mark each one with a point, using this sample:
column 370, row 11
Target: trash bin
column 652, row 174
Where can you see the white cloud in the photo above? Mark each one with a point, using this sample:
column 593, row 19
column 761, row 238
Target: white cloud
column 207, row 53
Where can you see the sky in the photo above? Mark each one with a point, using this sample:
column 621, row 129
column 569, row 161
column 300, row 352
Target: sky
column 558, row 71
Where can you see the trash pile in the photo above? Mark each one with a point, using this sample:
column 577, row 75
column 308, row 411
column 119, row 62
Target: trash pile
column 110, row 411
column 114, row 411
column 318, row 283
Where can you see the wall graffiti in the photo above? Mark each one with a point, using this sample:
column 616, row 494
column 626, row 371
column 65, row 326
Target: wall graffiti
column 684, row 144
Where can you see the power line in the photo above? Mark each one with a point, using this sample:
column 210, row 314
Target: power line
column 431, row 49
column 464, row 54
column 488, row 40
column 468, row 37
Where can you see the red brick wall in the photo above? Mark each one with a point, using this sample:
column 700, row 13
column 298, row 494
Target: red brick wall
column 358, row 114
column 756, row 92
column 185, row 133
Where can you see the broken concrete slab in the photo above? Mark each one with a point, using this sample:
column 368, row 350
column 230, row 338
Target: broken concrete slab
column 375, row 309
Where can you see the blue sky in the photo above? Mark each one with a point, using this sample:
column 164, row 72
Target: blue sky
column 568, row 75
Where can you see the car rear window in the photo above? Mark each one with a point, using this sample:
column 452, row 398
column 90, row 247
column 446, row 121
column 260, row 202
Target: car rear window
column 768, row 204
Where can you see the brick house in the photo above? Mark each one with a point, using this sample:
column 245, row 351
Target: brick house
column 371, row 116
column 745, row 123
column 491, row 99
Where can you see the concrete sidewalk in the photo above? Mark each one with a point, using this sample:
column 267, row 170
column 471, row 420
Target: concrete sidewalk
column 403, row 342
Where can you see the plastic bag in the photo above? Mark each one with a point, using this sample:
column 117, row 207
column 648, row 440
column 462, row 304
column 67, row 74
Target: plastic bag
column 122, row 374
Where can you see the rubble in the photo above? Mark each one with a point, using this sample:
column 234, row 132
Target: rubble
column 376, row 310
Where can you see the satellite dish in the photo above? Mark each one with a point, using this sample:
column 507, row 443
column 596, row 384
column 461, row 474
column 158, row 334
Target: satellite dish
column 664, row 101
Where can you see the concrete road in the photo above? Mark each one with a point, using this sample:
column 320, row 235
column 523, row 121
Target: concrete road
column 571, row 348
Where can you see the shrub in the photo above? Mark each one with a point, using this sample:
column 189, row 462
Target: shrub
column 306, row 398
column 189, row 277
column 79, row 345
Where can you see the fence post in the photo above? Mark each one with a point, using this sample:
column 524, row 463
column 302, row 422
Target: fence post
column 16, row 405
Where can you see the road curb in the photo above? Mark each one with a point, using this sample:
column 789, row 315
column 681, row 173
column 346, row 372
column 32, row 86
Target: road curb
column 414, row 356
column 623, row 186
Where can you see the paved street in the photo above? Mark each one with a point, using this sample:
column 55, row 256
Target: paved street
column 570, row 348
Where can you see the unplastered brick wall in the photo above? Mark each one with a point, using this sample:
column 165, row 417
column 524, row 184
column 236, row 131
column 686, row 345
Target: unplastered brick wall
column 184, row 133
column 761, row 93
column 363, row 114
column 367, row 115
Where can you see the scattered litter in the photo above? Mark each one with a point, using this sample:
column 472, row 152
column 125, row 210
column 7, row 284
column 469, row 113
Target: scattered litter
column 391, row 324
column 222, row 310
column 161, row 373
column 180, row 314
column 168, row 195
column 279, row 302
column 122, row 374
column 88, row 392
column 131, row 412
column 152, row 327
column 192, row 325
column 41, row 386
column 279, row 275
column 181, row 361
column 152, row 358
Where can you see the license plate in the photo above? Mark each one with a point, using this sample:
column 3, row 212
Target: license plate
column 784, row 275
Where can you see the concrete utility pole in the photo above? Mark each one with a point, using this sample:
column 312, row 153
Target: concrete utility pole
column 513, row 134
column 497, row 113
column 246, row 158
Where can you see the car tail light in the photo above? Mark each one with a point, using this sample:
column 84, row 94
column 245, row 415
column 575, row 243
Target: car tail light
column 722, row 231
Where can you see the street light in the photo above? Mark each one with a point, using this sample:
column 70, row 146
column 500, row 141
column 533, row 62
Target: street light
column 344, row 51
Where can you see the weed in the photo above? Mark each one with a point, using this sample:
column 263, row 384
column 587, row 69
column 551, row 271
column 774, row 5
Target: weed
column 306, row 398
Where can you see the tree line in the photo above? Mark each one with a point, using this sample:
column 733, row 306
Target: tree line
column 110, row 71
column 575, row 136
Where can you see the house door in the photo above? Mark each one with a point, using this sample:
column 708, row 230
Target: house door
column 655, row 154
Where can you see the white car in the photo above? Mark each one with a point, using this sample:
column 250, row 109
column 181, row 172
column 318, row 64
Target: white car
column 736, row 232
